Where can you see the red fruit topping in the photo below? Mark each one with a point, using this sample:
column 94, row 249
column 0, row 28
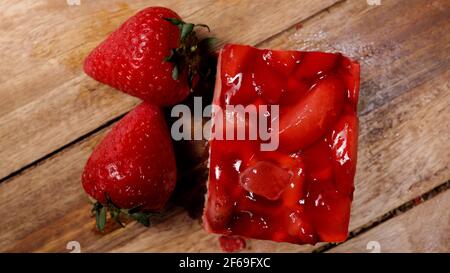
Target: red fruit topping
column 300, row 193
column 283, row 62
column 232, row 244
column 329, row 210
column 305, row 122
column 316, row 63
column 268, row 85
column 265, row 179
column 234, row 78
column 235, row 61
column 300, row 226
column 344, row 146
column 350, row 73
column 219, row 212
column 296, row 89
column 236, row 83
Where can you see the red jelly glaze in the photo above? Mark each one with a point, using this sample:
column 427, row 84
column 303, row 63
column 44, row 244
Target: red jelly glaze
column 317, row 93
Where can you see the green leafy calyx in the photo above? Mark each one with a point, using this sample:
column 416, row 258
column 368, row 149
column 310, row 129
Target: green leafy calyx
column 190, row 57
column 117, row 214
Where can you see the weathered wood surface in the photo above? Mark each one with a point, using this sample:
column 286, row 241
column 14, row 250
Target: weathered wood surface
column 403, row 152
column 47, row 101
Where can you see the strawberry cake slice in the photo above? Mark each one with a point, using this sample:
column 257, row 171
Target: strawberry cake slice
column 300, row 192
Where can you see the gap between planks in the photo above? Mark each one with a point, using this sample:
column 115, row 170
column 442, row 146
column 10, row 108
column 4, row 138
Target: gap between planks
column 411, row 204
column 62, row 148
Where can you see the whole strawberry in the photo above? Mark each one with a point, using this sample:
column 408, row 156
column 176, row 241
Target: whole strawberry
column 154, row 55
column 132, row 171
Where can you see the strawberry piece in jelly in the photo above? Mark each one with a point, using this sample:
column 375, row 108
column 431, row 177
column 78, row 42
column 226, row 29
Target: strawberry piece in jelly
column 233, row 94
column 238, row 87
column 318, row 162
column 268, row 85
column 300, row 226
column 344, row 145
column 271, row 70
column 234, row 60
column 283, row 62
column 316, row 63
column 305, row 122
column 219, row 212
column 329, row 211
column 295, row 90
column 350, row 74
column 265, row 179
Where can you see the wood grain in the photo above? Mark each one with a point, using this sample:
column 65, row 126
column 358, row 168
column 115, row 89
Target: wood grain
column 396, row 53
column 404, row 150
column 48, row 102
column 426, row 228
column 403, row 153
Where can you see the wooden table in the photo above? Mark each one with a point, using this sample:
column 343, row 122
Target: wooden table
column 52, row 115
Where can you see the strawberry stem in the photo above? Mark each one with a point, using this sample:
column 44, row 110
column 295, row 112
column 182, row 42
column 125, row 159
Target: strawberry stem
column 117, row 213
column 186, row 29
column 190, row 58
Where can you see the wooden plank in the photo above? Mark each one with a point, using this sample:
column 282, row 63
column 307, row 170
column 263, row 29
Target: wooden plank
column 48, row 102
column 396, row 53
column 403, row 153
column 425, row 228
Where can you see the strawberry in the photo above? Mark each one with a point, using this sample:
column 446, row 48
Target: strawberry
column 154, row 56
column 235, row 59
column 350, row 75
column 220, row 212
column 343, row 141
column 265, row 179
column 329, row 211
column 302, row 124
column 318, row 162
column 299, row 225
column 233, row 73
column 133, row 169
column 296, row 89
column 316, row 63
column 271, row 72
column 283, row 62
